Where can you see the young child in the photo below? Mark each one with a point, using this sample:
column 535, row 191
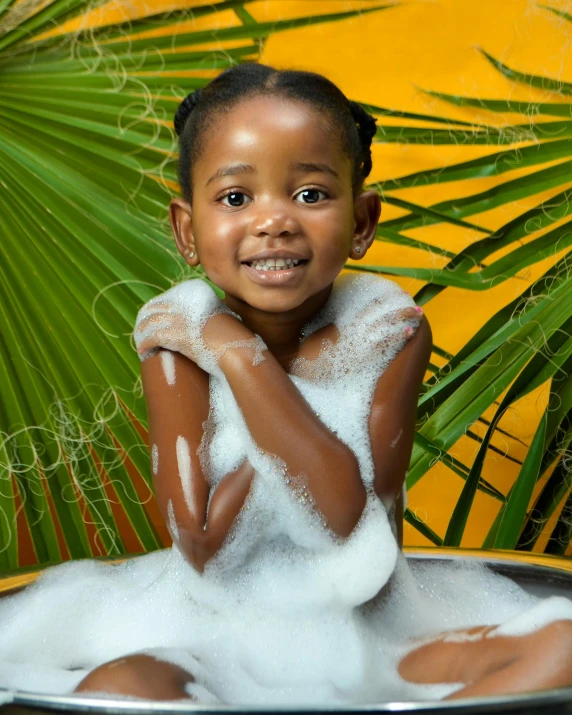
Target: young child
column 281, row 420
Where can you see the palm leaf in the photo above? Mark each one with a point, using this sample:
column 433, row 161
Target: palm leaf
column 527, row 343
column 86, row 171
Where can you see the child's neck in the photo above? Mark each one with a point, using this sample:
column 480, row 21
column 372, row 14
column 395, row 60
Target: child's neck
column 280, row 331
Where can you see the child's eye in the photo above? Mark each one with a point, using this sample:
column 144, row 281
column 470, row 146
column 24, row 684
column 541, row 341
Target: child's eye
column 311, row 196
column 234, row 199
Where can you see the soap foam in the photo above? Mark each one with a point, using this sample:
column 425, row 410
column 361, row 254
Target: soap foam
column 172, row 522
column 256, row 344
column 286, row 613
column 547, row 611
column 397, row 439
column 155, row 458
column 168, row 363
column 184, row 466
column 238, row 651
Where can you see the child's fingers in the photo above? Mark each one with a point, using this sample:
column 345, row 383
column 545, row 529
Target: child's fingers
column 152, row 309
column 157, row 304
column 153, row 341
column 412, row 315
column 155, row 331
column 162, row 331
column 390, row 317
column 156, row 319
column 146, row 348
column 415, row 313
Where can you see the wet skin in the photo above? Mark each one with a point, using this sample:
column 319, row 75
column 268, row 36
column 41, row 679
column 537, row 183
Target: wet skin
column 270, row 182
column 496, row 665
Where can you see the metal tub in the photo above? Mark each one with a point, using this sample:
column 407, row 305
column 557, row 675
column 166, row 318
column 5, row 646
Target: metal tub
column 540, row 575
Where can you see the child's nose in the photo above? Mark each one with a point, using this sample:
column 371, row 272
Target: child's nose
column 274, row 221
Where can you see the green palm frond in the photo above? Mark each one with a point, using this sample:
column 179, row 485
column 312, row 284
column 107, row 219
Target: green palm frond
column 526, row 344
column 86, row 173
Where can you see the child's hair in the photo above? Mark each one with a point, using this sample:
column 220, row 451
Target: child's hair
column 355, row 127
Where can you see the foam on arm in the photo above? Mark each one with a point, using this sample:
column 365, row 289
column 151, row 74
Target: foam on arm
column 283, row 424
column 393, row 413
column 199, row 515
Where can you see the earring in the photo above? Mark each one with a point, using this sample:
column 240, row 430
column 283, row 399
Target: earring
column 358, row 249
column 191, row 254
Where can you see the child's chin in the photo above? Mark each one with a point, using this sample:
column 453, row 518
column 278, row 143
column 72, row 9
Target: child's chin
column 277, row 305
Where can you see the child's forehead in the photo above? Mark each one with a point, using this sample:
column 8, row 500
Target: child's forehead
column 275, row 105
column 273, row 128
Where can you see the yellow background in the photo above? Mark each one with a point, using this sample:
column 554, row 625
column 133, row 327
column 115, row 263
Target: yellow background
column 387, row 58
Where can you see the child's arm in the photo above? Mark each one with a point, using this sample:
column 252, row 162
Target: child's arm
column 283, row 424
column 393, row 414
column 394, row 408
column 176, row 415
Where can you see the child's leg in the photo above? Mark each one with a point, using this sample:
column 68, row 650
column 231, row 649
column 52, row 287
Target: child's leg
column 140, row 676
column 495, row 665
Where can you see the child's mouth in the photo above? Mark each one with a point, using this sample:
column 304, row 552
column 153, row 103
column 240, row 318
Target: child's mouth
column 275, row 271
column 275, row 264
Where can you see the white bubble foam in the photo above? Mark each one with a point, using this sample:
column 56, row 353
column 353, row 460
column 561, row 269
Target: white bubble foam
column 184, row 466
column 397, row 439
column 286, row 613
column 545, row 612
column 168, row 363
column 155, row 459
column 173, row 528
column 256, row 344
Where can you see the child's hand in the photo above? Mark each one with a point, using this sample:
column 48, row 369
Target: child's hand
column 412, row 316
column 493, row 665
column 373, row 323
column 176, row 321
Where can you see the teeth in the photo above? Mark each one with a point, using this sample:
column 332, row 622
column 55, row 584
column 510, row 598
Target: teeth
column 274, row 264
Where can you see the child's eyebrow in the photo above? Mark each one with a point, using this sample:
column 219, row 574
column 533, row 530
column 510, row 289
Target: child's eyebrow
column 312, row 168
column 232, row 170
column 237, row 169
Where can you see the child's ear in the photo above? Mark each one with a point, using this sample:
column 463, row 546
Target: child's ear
column 367, row 209
column 180, row 215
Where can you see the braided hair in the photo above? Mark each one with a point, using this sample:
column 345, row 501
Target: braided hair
column 355, row 128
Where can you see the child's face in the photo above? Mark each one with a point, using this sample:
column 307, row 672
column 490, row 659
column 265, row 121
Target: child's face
column 272, row 183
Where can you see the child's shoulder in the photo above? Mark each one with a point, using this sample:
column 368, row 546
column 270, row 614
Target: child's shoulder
column 353, row 293
column 194, row 297
column 371, row 283
column 358, row 300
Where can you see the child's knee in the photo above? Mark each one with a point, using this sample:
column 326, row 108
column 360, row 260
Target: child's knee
column 140, row 676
